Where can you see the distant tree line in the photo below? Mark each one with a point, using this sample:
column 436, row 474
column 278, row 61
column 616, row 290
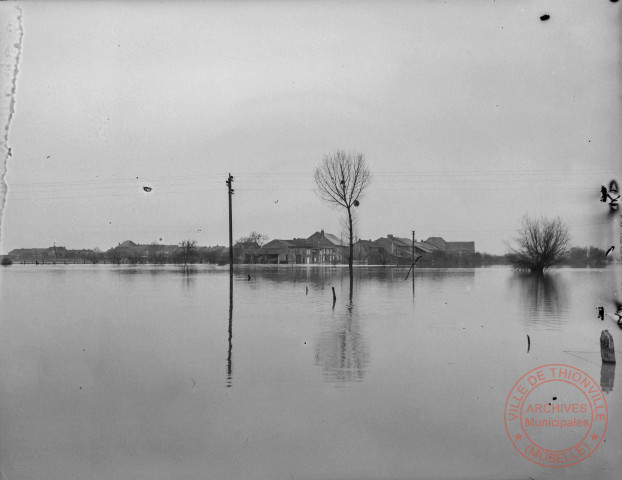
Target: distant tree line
column 186, row 252
column 579, row 257
column 586, row 257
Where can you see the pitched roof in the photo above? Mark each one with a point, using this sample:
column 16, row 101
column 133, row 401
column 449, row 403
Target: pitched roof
column 404, row 242
column 293, row 243
column 277, row 243
column 28, row 251
column 320, row 241
column 403, row 245
column 438, row 242
column 325, row 238
column 302, row 243
column 426, row 247
column 333, row 239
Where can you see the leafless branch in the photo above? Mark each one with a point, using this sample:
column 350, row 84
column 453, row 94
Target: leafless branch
column 341, row 180
column 542, row 244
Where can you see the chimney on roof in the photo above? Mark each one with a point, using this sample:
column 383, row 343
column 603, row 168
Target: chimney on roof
column 390, row 236
column 322, row 232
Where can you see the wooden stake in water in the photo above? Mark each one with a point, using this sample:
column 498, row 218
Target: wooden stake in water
column 607, row 350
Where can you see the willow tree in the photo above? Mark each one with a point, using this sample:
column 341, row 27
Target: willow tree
column 543, row 243
column 341, row 180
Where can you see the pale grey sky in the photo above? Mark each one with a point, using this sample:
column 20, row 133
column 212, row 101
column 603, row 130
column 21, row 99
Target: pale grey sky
column 470, row 114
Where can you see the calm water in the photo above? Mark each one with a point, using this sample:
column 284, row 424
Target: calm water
column 150, row 372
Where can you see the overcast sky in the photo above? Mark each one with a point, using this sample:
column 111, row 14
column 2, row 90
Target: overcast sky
column 470, row 114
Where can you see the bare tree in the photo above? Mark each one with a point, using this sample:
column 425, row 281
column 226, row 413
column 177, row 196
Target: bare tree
column 543, row 243
column 188, row 249
column 258, row 238
column 341, row 180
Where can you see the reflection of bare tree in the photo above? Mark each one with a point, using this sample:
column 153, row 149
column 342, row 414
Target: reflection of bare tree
column 541, row 293
column 188, row 277
column 341, row 350
column 607, row 374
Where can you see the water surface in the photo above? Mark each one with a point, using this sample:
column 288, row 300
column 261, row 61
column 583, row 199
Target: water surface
column 160, row 373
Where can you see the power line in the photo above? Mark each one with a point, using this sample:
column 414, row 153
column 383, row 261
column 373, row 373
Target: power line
column 390, row 174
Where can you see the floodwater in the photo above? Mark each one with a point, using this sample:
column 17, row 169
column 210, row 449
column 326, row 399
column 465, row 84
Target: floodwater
column 156, row 373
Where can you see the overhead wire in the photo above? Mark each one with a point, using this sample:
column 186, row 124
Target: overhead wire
column 423, row 180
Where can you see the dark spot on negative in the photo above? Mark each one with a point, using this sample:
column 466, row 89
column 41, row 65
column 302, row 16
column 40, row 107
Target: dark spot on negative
column 554, row 398
column 544, row 18
column 147, row 189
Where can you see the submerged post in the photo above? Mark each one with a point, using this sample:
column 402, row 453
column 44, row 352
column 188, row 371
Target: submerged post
column 607, row 350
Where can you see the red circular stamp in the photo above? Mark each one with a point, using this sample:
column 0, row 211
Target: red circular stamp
column 556, row 415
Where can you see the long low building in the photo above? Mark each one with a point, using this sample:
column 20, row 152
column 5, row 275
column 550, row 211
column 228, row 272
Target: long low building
column 49, row 255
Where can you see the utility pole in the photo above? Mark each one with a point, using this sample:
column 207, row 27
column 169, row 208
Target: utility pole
column 229, row 181
column 413, row 249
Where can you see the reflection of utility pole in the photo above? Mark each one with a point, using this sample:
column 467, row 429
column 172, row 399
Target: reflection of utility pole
column 229, row 181
column 230, row 351
column 413, row 260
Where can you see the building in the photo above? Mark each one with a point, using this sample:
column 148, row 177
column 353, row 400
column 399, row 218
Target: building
column 392, row 250
column 451, row 247
column 31, row 255
column 330, row 248
column 55, row 254
column 130, row 252
column 297, row 250
column 437, row 242
column 320, row 248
